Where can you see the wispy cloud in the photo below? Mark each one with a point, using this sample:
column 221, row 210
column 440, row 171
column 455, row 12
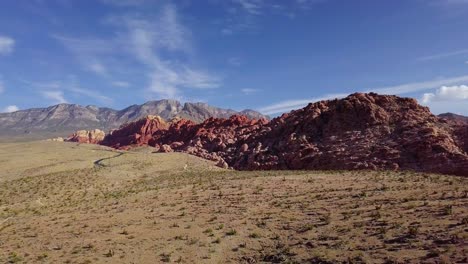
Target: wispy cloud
column 249, row 91
column 251, row 6
column 245, row 15
column 55, row 90
column 98, row 68
column 7, row 45
column 125, row 3
column 92, row 94
column 289, row 105
column 235, row 61
column 10, row 109
column 57, row 97
column 88, row 51
column 150, row 40
column 443, row 55
column 392, row 90
column 161, row 43
column 121, row 84
column 2, row 86
column 419, row 86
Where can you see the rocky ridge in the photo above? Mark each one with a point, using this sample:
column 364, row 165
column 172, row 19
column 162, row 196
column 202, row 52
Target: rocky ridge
column 361, row 131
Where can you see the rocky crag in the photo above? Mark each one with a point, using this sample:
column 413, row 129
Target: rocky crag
column 361, row 131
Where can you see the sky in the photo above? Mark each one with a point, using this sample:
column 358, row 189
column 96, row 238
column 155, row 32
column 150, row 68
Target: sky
column 267, row 55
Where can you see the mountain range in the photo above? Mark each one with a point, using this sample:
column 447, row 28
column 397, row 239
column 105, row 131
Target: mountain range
column 64, row 119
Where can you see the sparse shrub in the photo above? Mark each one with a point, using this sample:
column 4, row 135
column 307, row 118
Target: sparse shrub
column 165, row 257
column 447, row 210
column 231, row 232
column 413, row 231
column 109, row 253
column 254, row 235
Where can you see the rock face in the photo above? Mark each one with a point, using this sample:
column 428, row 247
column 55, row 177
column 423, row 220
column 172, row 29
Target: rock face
column 67, row 118
column 95, row 136
column 135, row 133
column 361, row 131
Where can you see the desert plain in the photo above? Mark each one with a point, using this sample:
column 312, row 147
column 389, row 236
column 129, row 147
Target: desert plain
column 79, row 203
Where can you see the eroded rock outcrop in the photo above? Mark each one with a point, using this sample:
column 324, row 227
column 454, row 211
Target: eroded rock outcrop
column 216, row 139
column 135, row 133
column 95, row 136
column 361, row 131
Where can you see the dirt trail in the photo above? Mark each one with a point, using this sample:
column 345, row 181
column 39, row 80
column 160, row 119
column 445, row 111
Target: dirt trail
column 98, row 163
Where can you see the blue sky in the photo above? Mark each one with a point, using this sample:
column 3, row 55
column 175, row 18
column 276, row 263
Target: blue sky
column 272, row 56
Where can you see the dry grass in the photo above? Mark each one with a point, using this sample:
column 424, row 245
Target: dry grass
column 56, row 205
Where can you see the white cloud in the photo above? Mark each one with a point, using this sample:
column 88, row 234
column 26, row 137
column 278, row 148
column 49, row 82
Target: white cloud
column 447, row 93
column 248, row 91
column 10, row 109
column 121, row 84
column 427, row 97
column 56, row 96
column 7, row 45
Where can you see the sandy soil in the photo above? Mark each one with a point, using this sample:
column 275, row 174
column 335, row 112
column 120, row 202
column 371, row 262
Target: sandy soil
column 72, row 203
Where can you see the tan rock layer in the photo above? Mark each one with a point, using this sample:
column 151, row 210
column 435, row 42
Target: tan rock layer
column 95, row 136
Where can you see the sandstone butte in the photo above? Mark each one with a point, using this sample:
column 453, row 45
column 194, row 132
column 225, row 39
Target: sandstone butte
column 361, row 131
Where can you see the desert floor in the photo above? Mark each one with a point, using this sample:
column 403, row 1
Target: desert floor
column 72, row 203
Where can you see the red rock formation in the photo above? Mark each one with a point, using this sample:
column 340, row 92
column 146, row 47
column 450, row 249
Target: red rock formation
column 361, row 131
column 215, row 139
column 84, row 136
column 135, row 133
